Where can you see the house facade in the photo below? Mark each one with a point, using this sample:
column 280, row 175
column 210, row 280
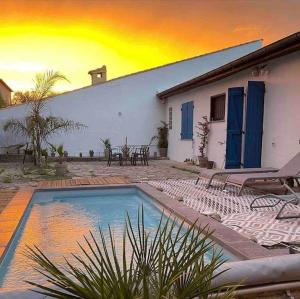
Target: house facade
column 253, row 106
column 5, row 93
column 122, row 107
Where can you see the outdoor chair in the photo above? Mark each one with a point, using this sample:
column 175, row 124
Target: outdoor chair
column 289, row 170
column 292, row 198
column 212, row 173
column 142, row 154
column 114, row 155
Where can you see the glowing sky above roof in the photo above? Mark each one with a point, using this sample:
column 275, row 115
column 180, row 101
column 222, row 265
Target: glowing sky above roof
column 75, row 36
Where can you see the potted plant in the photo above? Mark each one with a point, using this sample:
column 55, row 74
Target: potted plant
column 125, row 149
column 163, row 139
column 107, row 146
column 45, row 155
column 91, row 153
column 28, row 152
column 203, row 132
column 52, row 150
column 60, row 168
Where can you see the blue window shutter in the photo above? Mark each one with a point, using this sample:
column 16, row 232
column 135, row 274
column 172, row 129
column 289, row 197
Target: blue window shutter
column 234, row 127
column 183, row 120
column 187, row 120
column 254, row 124
column 190, row 108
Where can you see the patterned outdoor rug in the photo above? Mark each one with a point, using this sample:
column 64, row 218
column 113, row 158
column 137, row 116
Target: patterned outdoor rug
column 234, row 211
column 264, row 227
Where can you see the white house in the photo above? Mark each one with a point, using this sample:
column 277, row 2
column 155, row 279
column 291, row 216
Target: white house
column 253, row 105
column 126, row 106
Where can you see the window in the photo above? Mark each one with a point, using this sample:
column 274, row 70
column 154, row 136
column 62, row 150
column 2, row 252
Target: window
column 170, row 118
column 217, row 107
column 187, row 111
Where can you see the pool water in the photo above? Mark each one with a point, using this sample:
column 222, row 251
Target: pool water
column 56, row 220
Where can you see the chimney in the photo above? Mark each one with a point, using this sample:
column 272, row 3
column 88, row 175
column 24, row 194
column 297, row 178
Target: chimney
column 98, row 75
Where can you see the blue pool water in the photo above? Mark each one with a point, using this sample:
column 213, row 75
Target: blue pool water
column 55, row 220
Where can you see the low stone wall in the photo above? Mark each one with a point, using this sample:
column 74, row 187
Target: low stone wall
column 19, row 158
column 15, row 158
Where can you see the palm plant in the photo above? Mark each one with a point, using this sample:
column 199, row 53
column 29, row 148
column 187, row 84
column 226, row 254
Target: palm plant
column 106, row 143
column 169, row 263
column 60, row 152
column 36, row 127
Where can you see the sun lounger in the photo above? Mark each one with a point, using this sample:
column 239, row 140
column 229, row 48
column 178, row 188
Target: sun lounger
column 292, row 198
column 212, row 173
column 289, row 170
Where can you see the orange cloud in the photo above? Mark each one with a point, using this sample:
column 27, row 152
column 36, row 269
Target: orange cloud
column 74, row 36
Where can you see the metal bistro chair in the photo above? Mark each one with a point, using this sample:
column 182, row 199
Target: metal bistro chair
column 141, row 153
column 114, row 154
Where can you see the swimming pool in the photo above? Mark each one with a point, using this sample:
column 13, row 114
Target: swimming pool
column 55, row 220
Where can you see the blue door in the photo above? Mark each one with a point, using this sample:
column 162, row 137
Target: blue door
column 254, row 124
column 187, row 111
column 234, row 127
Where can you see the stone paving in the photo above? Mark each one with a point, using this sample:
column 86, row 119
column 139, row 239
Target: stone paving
column 157, row 170
column 13, row 175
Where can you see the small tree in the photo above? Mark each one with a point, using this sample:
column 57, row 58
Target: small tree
column 203, row 135
column 36, row 127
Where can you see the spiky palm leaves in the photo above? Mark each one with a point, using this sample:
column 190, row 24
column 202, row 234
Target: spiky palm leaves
column 169, row 264
column 36, row 127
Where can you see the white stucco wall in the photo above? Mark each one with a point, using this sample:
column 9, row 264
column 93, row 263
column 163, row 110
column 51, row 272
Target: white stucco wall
column 281, row 138
column 123, row 107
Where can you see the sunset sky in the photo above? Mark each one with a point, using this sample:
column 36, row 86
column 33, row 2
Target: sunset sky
column 75, row 36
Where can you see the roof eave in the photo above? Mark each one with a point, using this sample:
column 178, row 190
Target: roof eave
column 280, row 48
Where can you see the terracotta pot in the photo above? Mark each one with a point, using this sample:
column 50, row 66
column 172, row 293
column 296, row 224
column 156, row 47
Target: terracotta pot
column 60, row 169
column 163, row 152
column 203, row 162
column 210, row 164
column 106, row 153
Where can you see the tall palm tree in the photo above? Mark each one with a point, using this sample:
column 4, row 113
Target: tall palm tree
column 36, row 127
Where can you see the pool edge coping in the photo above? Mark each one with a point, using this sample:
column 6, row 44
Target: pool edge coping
column 12, row 216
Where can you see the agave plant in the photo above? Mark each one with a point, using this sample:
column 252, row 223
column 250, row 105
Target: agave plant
column 169, row 263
